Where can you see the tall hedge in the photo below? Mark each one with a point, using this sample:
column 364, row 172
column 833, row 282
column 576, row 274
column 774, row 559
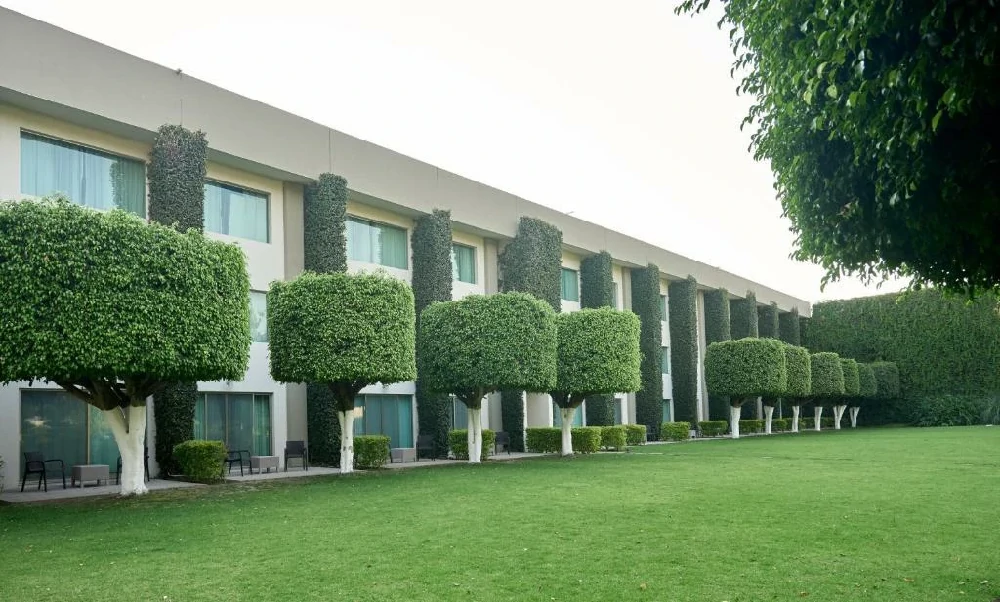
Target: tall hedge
column 788, row 327
column 530, row 263
column 432, row 280
column 768, row 321
column 717, row 328
column 325, row 232
column 683, row 313
column 176, row 172
column 867, row 385
column 743, row 317
column 888, row 407
column 646, row 304
column 597, row 290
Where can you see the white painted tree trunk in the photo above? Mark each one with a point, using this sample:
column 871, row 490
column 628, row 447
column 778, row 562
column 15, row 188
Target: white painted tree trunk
column 346, row 441
column 567, row 430
column 475, row 435
column 795, row 419
column 838, row 415
column 131, row 440
column 854, row 416
column 819, row 414
column 734, row 421
column 768, row 413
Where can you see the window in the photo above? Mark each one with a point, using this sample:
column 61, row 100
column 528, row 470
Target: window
column 372, row 242
column 87, row 176
column 614, row 295
column 663, row 308
column 64, row 428
column 618, row 410
column 570, row 285
column 258, row 316
column 463, row 263
column 557, row 416
column 665, row 360
column 240, row 420
column 390, row 415
column 459, row 414
column 236, row 212
column 667, row 414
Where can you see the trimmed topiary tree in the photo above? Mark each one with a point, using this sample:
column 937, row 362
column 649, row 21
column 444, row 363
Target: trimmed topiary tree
column 346, row 331
column 799, row 388
column 744, row 369
column 646, row 305
column 598, row 353
column 867, row 390
column 827, row 382
column 683, row 313
column 597, row 289
column 788, row 327
column 486, row 343
column 851, row 389
column 745, row 323
column 112, row 309
column 717, row 329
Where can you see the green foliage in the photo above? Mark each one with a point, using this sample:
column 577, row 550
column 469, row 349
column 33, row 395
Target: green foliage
column 746, row 368
column 779, row 425
column 635, row 434
column 713, row 428
column 458, row 441
column 768, row 321
column 827, row 377
column 174, row 412
column 597, row 281
column 878, row 120
column 543, row 440
column 646, row 305
column 717, row 329
column 600, row 410
column 598, row 353
column 325, row 232
column 806, row 423
column 487, row 343
column 954, row 410
column 754, row 425
column 789, row 329
column 512, row 415
column 96, row 298
column 683, row 313
column 675, row 431
column 532, row 262
column 867, row 386
column 371, row 451
column 886, row 380
column 586, row 439
column 176, row 175
column 612, row 437
column 200, row 461
column 799, row 368
column 743, row 317
column 323, row 425
column 852, row 378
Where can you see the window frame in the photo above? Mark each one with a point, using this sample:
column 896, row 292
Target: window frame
column 454, row 264
column 234, row 187
column 374, row 222
column 267, row 333
column 562, row 292
column 202, row 398
column 665, row 360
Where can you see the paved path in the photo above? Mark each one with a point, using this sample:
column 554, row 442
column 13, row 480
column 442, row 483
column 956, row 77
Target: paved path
column 56, row 491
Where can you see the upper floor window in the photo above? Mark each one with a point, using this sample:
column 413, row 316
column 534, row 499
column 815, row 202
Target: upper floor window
column 236, row 212
column 463, row 263
column 614, row 295
column 665, row 360
column 570, row 285
column 663, row 308
column 85, row 175
column 373, row 242
column 258, row 316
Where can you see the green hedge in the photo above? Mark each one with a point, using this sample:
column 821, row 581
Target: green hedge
column 852, row 378
column 458, row 441
column 174, row 413
column 176, row 174
column 867, row 385
column 325, row 225
column 683, row 313
column 646, row 304
column 371, row 451
column 597, row 290
column 512, row 417
column 743, row 317
column 806, row 423
column 635, row 434
column 322, row 425
column 789, row 329
column 717, row 328
column 768, row 322
column 713, row 428
column 543, row 440
column 675, row 431
column 752, row 426
column 780, row 424
column 201, row 461
column 955, row 410
column 746, row 368
column 586, row 439
column 613, row 437
column 827, row 377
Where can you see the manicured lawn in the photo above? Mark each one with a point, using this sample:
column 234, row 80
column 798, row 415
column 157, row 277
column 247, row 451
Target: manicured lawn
column 895, row 514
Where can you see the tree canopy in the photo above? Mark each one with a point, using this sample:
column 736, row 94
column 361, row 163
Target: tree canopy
column 878, row 119
column 598, row 353
column 747, row 367
column 827, row 376
column 867, row 387
column 851, row 377
column 799, row 373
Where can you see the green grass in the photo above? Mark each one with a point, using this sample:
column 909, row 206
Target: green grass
column 887, row 514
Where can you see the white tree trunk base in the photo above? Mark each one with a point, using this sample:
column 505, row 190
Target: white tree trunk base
column 567, row 430
column 854, row 416
column 734, row 421
column 795, row 419
column 768, row 413
column 819, row 414
column 131, row 440
column 838, row 415
column 475, row 435
column 346, row 441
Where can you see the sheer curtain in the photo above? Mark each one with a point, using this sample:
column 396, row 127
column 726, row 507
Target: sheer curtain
column 236, row 212
column 54, row 423
column 262, row 425
column 258, row 316
column 463, row 263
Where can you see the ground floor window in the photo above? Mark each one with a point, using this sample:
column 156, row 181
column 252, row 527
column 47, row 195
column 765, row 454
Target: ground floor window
column 240, row 420
column 62, row 427
column 668, row 415
column 618, row 405
column 557, row 416
column 390, row 415
column 459, row 414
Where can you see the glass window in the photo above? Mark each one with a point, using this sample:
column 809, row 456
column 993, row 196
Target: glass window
column 463, row 263
column 54, row 423
column 236, row 212
column 87, row 176
column 557, row 416
column 372, row 242
column 459, row 414
column 570, row 285
column 240, row 420
column 258, row 316
column 663, row 308
column 667, row 417
column 390, row 415
column 665, row 360
column 614, row 295
column 618, row 410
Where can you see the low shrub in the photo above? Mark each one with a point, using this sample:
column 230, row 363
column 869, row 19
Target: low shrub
column 675, row 431
column 613, row 437
column 543, row 440
column 779, row 425
column 458, row 442
column 805, row 423
column 754, row 425
column 635, row 434
column 201, row 460
column 371, row 451
column 954, row 410
column 713, row 428
column 586, row 439
column 828, row 422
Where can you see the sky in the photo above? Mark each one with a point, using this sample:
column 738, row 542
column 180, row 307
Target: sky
column 620, row 113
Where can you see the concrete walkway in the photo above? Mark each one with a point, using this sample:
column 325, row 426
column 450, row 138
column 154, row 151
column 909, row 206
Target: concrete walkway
column 56, row 491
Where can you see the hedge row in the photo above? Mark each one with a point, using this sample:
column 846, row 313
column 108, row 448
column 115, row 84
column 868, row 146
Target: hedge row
column 752, row 426
column 200, row 461
column 635, row 434
column 458, row 442
column 683, row 313
column 586, row 439
column 675, row 431
column 713, row 428
column 371, row 451
column 613, row 437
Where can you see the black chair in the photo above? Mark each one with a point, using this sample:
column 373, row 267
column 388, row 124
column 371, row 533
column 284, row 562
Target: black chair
column 296, row 449
column 425, row 443
column 35, row 463
column 502, row 440
column 118, row 467
column 236, row 456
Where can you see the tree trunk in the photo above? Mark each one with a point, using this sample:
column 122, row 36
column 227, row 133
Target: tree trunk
column 734, row 421
column 475, row 435
column 567, row 430
column 819, row 414
column 768, row 413
column 346, row 441
column 131, row 440
column 795, row 419
column 854, row 416
column 838, row 415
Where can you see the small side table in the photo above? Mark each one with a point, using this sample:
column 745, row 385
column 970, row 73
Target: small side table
column 263, row 462
column 90, row 472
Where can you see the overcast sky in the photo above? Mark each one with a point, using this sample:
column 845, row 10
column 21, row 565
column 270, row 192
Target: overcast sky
column 619, row 112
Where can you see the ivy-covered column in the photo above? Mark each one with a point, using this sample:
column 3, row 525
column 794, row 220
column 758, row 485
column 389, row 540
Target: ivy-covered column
column 646, row 304
column 432, row 281
column 717, row 329
column 788, row 327
column 597, row 289
column 683, row 314
column 325, row 252
column 177, row 168
column 530, row 263
column 767, row 321
column 745, row 323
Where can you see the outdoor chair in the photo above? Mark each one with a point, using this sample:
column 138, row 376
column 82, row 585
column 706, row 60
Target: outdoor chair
column 425, row 446
column 35, row 463
column 118, row 467
column 296, row 449
column 234, row 457
column 502, row 441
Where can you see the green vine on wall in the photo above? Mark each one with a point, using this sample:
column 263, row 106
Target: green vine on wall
column 646, row 304
column 683, row 312
column 768, row 321
column 743, row 317
column 597, row 290
column 788, row 327
column 717, row 328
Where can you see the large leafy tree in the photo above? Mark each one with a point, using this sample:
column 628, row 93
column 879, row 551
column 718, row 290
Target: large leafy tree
column 598, row 353
column 112, row 309
column 482, row 344
column 345, row 331
column 878, row 118
column 744, row 369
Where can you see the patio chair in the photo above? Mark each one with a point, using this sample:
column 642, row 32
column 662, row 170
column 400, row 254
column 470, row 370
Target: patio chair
column 425, row 446
column 296, row 449
column 118, row 467
column 35, row 463
column 236, row 456
column 502, row 441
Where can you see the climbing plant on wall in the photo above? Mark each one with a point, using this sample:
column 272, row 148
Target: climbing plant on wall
column 717, row 329
column 767, row 321
column 743, row 314
column 646, row 304
column 788, row 327
column 683, row 313
column 597, row 290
